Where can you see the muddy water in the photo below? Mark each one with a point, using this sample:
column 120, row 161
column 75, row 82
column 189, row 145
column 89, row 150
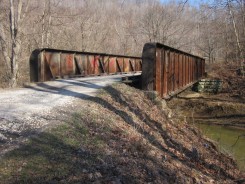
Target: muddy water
column 227, row 140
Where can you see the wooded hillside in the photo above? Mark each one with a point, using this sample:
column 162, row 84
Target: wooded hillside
column 214, row 30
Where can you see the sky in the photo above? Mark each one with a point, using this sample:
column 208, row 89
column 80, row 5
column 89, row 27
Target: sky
column 191, row 2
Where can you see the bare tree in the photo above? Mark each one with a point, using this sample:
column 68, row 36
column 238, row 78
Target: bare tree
column 119, row 27
column 238, row 42
column 11, row 54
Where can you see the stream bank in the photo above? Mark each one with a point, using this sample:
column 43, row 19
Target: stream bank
column 229, row 140
column 220, row 117
column 218, row 109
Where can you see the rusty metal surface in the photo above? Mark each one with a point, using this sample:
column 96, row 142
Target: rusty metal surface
column 164, row 69
column 168, row 71
column 50, row 64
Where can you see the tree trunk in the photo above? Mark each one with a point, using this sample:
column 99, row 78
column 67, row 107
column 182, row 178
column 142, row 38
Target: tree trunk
column 15, row 41
column 237, row 35
column 4, row 48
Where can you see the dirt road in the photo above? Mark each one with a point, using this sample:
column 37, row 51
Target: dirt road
column 26, row 111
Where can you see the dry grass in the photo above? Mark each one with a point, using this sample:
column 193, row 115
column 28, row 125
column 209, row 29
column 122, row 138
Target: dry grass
column 123, row 135
column 234, row 85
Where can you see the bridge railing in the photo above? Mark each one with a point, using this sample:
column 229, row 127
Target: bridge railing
column 168, row 70
column 48, row 64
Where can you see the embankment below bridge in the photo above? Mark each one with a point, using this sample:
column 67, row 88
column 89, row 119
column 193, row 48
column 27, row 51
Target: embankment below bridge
column 214, row 109
column 122, row 135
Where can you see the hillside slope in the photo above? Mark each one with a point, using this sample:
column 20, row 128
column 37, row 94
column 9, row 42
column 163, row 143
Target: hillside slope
column 123, row 135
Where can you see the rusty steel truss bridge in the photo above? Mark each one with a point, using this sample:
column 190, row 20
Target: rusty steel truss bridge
column 161, row 68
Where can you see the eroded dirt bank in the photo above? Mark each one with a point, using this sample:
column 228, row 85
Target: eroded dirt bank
column 123, row 135
column 220, row 109
column 224, row 108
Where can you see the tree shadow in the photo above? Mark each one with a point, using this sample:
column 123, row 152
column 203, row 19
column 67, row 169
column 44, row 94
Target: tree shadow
column 52, row 158
column 157, row 126
column 76, row 82
column 76, row 166
column 63, row 91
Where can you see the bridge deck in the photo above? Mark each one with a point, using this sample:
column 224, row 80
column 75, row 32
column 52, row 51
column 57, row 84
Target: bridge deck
column 86, row 84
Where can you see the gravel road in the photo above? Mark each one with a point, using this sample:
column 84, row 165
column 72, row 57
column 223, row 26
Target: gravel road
column 26, row 111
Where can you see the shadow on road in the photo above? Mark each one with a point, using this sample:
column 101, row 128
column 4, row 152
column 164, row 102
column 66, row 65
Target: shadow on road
column 71, row 163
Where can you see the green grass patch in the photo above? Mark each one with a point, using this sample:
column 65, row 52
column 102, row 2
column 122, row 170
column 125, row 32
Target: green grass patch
column 54, row 155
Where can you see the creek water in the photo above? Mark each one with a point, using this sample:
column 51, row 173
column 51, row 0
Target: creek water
column 228, row 140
